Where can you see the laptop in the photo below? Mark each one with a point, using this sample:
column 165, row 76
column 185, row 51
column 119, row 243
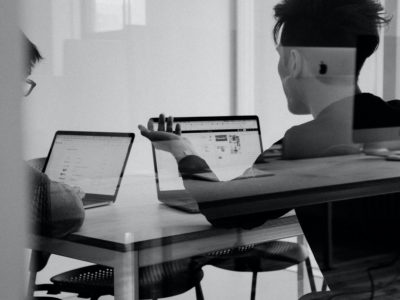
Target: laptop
column 93, row 161
column 229, row 145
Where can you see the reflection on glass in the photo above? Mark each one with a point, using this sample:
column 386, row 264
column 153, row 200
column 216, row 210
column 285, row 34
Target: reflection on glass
column 108, row 15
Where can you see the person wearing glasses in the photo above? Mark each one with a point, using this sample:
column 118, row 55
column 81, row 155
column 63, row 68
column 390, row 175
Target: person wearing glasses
column 28, row 87
column 62, row 209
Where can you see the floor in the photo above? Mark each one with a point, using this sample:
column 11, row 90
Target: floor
column 216, row 284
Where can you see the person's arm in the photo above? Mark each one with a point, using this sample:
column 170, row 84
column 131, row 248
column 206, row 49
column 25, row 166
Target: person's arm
column 67, row 209
column 63, row 207
column 198, row 177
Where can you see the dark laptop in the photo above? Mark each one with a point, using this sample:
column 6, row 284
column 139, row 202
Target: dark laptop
column 229, row 145
column 92, row 161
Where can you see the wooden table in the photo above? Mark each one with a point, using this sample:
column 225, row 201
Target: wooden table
column 137, row 231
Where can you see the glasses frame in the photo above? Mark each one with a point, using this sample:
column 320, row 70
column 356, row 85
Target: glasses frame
column 31, row 85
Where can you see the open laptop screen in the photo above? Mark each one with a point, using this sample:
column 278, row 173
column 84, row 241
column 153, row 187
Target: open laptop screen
column 228, row 144
column 92, row 161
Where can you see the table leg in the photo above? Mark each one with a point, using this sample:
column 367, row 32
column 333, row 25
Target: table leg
column 300, row 271
column 126, row 277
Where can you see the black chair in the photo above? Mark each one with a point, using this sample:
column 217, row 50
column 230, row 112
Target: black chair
column 158, row 281
column 265, row 257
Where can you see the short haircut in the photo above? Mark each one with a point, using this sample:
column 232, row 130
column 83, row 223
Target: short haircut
column 33, row 55
column 330, row 23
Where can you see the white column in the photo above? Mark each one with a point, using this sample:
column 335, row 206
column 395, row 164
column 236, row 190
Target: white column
column 126, row 273
column 12, row 188
column 245, row 57
column 391, row 53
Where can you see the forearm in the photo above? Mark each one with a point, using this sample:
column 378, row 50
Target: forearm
column 67, row 209
column 194, row 167
column 55, row 208
column 198, row 178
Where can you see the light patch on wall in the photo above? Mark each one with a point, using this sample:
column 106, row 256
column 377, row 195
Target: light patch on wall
column 114, row 15
column 108, row 15
column 137, row 12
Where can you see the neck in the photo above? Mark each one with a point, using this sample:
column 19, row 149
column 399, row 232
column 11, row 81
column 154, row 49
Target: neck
column 321, row 96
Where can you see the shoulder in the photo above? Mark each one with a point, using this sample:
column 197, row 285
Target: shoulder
column 372, row 111
column 304, row 132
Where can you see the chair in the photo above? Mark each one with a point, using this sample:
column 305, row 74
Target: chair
column 265, row 257
column 158, row 281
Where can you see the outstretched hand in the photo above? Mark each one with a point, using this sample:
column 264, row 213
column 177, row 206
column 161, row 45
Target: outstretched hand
column 168, row 139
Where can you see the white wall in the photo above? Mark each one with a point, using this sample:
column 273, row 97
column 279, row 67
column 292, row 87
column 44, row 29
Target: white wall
column 270, row 100
column 182, row 62
column 178, row 63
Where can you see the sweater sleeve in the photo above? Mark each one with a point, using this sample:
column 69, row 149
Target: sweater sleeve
column 55, row 208
column 197, row 176
column 194, row 167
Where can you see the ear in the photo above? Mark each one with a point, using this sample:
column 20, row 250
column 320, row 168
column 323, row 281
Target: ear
column 295, row 63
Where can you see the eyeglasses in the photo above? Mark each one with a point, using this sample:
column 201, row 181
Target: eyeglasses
column 29, row 86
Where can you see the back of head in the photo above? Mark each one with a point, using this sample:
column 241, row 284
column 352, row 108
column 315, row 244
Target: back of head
column 330, row 23
column 32, row 53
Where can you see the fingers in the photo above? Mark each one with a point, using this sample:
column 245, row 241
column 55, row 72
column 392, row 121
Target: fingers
column 170, row 121
column 178, row 129
column 161, row 123
column 164, row 124
column 150, row 125
column 144, row 131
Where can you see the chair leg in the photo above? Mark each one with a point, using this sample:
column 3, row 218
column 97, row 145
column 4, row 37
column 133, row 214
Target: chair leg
column 31, row 284
column 310, row 275
column 199, row 292
column 253, row 286
column 324, row 286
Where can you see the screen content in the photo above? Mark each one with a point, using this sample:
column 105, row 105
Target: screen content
column 93, row 163
column 229, row 148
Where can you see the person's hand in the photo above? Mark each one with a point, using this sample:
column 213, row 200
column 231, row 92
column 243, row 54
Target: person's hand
column 77, row 190
column 168, row 139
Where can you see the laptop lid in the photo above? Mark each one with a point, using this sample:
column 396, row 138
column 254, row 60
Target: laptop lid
column 229, row 144
column 92, row 161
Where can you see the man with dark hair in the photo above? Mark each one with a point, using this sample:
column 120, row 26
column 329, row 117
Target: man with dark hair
column 322, row 45
column 307, row 33
column 56, row 209
column 305, row 30
column 339, row 23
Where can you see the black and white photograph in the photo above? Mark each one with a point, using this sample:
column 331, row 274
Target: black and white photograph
column 200, row 149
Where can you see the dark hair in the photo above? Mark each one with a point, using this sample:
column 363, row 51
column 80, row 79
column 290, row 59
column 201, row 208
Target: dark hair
column 32, row 52
column 331, row 23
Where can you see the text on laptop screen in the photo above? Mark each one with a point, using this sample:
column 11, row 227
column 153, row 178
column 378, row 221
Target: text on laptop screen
column 228, row 146
column 93, row 163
